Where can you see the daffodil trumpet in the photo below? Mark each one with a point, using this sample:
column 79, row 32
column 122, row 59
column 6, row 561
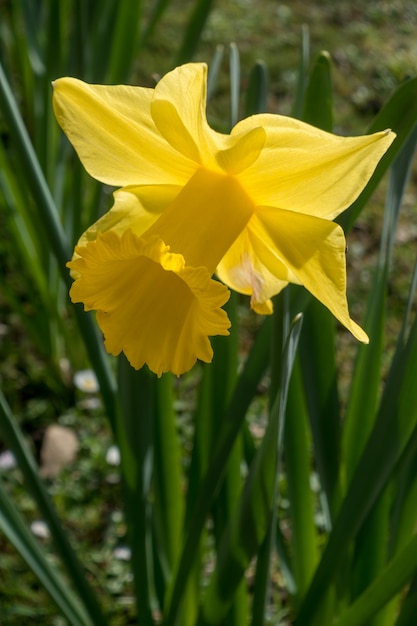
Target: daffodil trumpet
column 253, row 207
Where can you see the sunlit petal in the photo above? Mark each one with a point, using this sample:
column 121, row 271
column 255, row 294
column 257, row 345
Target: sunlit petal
column 112, row 130
column 314, row 250
column 241, row 270
column 244, row 151
column 149, row 304
column 179, row 112
column 126, row 213
column 302, row 168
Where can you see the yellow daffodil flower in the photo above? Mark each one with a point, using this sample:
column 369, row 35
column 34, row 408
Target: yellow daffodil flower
column 255, row 206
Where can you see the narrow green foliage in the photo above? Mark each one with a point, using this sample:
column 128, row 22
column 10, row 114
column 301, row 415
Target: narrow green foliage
column 365, row 387
column 158, row 10
column 244, row 391
column 192, row 34
column 124, row 41
column 17, row 532
column 168, row 510
column 134, row 431
column 257, row 91
column 234, row 84
column 20, row 536
column 318, row 100
column 389, row 582
column 400, row 115
column 409, row 607
column 248, row 525
column 213, row 71
column 304, row 538
column 394, row 425
column 54, row 233
column 302, row 74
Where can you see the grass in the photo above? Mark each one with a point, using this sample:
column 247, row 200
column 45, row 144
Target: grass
column 373, row 48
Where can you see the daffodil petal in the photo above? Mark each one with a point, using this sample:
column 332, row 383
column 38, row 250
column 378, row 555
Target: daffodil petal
column 313, row 249
column 179, row 112
column 173, row 129
column 305, row 169
column 149, row 304
column 154, row 198
column 241, row 270
column 244, row 152
column 126, row 213
column 112, row 130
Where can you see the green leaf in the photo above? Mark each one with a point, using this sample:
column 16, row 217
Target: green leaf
column 365, row 387
column 247, row 526
column 32, row 29
column 124, row 41
column 55, row 235
column 134, row 432
column 409, row 606
column 223, row 373
column 297, row 444
column 391, row 580
column 214, row 70
column 193, row 30
column 158, row 10
column 393, row 428
column 371, row 544
column 302, row 76
column 168, row 503
column 245, row 390
column 257, row 92
column 318, row 100
column 400, row 115
column 15, row 529
column 13, row 437
column 234, row 84
column 322, row 399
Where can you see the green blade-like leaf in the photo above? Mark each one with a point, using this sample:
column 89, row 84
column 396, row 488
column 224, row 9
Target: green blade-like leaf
column 245, row 390
column 257, row 92
column 13, row 437
column 371, row 546
column 125, row 40
column 394, row 426
column 16, row 531
column 409, row 606
column 322, row 398
column 158, row 10
column 249, row 523
column 193, row 30
column 167, row 477
column 390, row 581
column 214, row 70
column 297, row 442
column 55, row 235
column 32, row 29
column 234, row 66
column 302, row 75
column 134, row 432
column 365, row 385
column 224, row 369
column 399, row 114
column 318, row 100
